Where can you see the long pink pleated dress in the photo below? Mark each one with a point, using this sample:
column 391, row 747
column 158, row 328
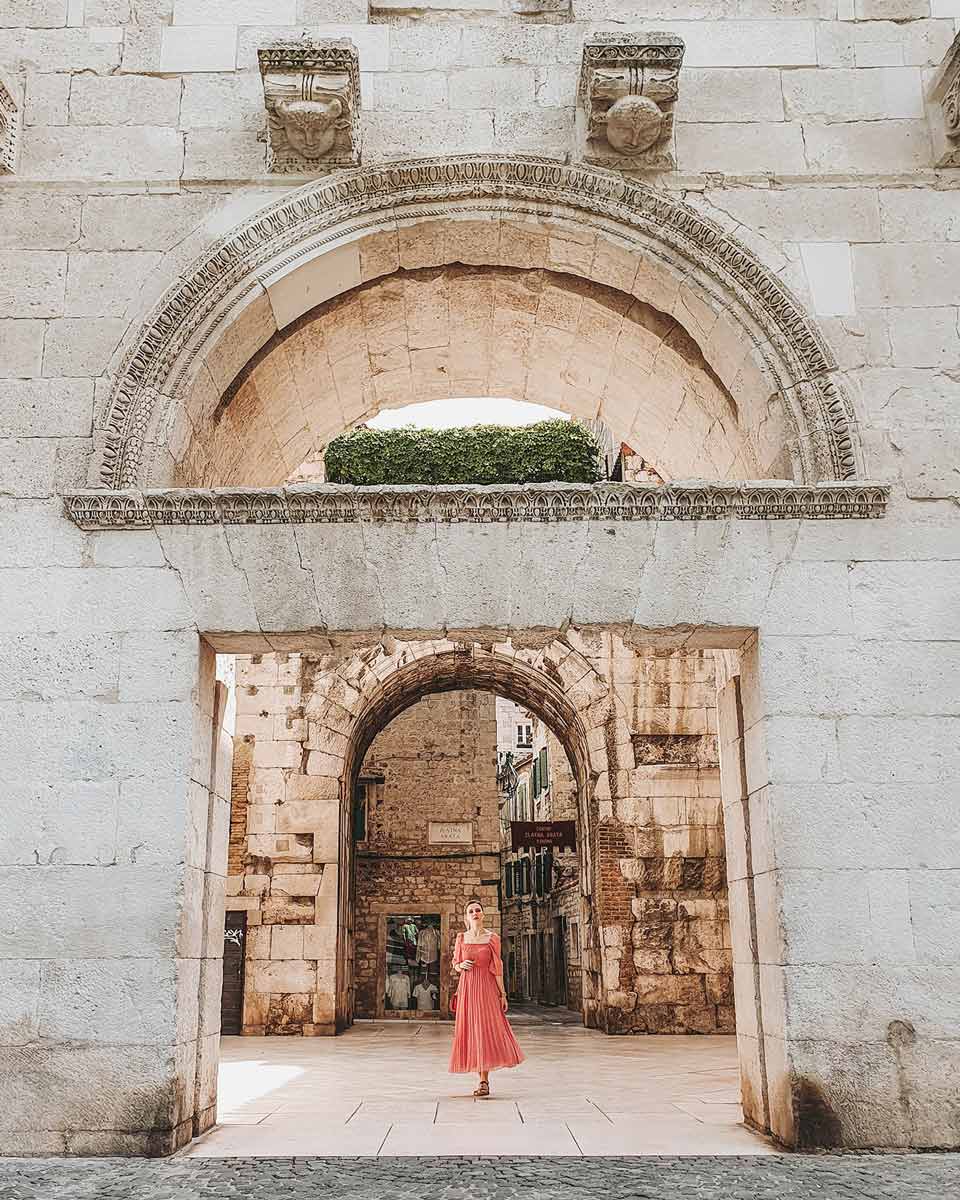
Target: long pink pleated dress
column 482, row 1037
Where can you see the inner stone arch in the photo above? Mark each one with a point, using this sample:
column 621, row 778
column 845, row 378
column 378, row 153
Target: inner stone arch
column 433, row 333
column 556, row 683
column 333, row 236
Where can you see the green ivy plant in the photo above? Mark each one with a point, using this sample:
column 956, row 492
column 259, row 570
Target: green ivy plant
column 548, row 452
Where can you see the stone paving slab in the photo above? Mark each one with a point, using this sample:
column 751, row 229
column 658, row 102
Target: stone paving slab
column 786, row 1177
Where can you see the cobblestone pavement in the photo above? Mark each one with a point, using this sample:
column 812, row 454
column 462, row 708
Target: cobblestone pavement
column 784, row 1177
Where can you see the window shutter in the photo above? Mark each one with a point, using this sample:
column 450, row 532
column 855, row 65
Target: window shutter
column 536, row 777
column 544, row 783
column 509, row 875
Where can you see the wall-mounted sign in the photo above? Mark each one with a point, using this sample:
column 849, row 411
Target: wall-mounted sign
column 459, row 833
column 539, row 834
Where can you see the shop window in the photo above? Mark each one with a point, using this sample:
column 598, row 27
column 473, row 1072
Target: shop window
column 412, row 966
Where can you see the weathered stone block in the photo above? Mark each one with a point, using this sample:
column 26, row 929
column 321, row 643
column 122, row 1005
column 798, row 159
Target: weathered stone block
column 76, row 346
column 124, row 100
column 32, row 283
column 73, row 153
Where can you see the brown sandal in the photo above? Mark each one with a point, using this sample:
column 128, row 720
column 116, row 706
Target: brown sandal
column 483, row 1089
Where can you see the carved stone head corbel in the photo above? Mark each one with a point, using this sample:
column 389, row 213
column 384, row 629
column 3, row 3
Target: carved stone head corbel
column 9, row 129
column 945, row 100
column 311, row 90
column 628, row 88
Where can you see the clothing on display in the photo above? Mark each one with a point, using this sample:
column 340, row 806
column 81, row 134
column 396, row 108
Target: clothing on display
column 398, row 990
column 425, row 995
column 428, row 945
column 412, row 967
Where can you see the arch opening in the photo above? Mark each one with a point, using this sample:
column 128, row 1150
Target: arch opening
column 459, row 670
column 541, row 337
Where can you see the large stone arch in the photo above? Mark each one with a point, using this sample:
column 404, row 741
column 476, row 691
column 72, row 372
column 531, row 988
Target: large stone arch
column 334, row 235
column 554, row 680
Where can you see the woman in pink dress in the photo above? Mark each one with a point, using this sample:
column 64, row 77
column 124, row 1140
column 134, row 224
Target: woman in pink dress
column 482, row 1037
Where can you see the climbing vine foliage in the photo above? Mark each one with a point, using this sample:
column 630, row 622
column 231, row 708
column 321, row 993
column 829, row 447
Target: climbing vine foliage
column 548, row 452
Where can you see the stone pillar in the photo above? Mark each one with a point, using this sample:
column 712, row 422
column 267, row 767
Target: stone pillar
column 848, row 765
column 739, row 805
column 287, row 880
column 108, row 852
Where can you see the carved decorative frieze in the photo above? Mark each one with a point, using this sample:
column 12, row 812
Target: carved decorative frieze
column 9, row 130
column 333, row 503
column 158, row 357
column 628, row 88
column 312, row 94
column 945, row 95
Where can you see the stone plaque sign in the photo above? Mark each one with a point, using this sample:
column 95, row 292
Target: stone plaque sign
column 458, row 833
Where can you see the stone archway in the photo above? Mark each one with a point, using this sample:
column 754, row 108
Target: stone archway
column 553, row 680
column 332, row 236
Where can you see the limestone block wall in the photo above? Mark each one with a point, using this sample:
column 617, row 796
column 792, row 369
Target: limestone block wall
column 438, row 763
column 665, row 930
column 283, row 869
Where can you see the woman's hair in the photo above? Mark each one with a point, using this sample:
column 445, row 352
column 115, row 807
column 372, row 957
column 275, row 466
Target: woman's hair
column 472, row 900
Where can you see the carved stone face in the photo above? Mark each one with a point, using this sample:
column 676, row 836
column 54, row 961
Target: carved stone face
column 633, row 124
column 309, row 125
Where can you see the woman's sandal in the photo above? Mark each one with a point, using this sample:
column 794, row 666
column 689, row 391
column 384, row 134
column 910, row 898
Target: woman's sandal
column 483, row 1089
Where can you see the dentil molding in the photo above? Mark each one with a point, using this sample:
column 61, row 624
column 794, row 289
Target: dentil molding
column 338, row 503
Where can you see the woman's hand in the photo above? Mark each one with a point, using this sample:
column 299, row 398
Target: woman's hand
column 466, row 964
column 503, row 1002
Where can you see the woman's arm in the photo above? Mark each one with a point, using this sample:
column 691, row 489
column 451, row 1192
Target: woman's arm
column 496, row 968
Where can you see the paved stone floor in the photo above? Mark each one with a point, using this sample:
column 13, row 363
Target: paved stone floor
column 383, row 1089
column 290, row 1131
column 778, row 1177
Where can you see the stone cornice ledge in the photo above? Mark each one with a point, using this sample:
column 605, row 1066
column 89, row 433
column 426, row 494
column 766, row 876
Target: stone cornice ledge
column 693, row 500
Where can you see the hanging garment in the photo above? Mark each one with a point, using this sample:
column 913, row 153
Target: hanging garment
column 482, row 1037
column 426, row 995
column 398, row 990
column 428, row 945
column 408, row 931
